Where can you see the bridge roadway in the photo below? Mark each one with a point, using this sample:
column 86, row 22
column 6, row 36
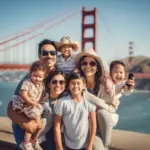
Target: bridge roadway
column 26, row 67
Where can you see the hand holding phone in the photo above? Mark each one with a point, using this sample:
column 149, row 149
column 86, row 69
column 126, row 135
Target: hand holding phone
column 130, row 77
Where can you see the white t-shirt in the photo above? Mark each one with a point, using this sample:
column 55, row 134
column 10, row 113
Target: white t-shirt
column 75, row 117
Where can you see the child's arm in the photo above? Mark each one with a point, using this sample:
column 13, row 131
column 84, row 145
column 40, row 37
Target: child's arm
column 98, row 102
column 57, row 132
column 128, row 89
column 92, row 119
column 26, row 98
column 108, row 85
column 107, row 90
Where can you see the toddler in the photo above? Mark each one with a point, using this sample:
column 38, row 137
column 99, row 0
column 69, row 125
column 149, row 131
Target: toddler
column 28, row 102
column 111, row 90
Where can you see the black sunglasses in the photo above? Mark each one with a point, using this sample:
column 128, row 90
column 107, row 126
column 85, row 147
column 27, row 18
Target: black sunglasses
column 92, row 63
column 61, row 82
column 51, row 52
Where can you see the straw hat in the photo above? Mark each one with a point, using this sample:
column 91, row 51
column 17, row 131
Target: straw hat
column 67, row 40
column 90, row 53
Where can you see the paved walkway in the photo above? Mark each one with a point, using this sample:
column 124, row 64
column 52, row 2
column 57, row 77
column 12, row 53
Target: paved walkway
column 121, row 140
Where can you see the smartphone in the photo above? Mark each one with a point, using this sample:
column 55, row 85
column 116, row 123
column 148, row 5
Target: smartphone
column 130, row 76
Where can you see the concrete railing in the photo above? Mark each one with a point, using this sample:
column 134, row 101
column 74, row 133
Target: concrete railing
column 121, row 140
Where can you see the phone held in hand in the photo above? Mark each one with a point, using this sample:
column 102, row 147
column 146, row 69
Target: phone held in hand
column 130, row 77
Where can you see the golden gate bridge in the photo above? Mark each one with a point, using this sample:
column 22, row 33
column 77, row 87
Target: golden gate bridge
column 15, row 59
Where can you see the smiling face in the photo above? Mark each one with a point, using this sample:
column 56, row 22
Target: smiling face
column 89, row 66
column 76, row 87
column 118, row 73
column 66, row 51
column 50, row 58
column 56, row 85
column 37, row 76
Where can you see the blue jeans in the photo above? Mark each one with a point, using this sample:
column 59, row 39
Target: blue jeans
column 46, row 145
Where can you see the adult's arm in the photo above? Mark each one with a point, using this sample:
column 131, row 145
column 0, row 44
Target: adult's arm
column 20, row 119
column 57, row 132
column 17, row 90
column 98, row 102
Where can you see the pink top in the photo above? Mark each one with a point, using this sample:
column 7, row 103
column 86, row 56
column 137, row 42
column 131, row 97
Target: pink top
column 111, row 92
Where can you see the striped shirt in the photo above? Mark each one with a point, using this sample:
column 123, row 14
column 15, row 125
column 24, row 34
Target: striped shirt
column 66, row 66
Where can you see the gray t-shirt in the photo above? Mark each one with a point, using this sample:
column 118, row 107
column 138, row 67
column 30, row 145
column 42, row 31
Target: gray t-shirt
column 47, row 117
column 76, row 120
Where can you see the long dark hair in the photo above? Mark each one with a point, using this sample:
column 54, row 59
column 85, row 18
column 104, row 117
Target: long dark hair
column 98, row 74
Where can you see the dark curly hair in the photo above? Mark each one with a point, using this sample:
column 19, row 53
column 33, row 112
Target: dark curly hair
column 44, row 42
column 98, row 74
column 38, row 65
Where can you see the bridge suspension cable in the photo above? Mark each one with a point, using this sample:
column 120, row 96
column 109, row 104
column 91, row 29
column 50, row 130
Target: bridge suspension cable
column 34, row 28
column 34, row 36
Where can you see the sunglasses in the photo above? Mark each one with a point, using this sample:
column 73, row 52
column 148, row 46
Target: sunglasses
column 61, row 82
column 92, row 63
column 45, row 52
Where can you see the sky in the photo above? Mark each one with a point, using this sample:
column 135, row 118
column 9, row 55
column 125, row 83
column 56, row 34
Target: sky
column 118, row 23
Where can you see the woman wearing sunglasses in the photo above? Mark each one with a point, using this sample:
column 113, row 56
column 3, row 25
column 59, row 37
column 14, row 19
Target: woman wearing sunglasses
column 91, row 67
column 56, row 87
column 47, row 53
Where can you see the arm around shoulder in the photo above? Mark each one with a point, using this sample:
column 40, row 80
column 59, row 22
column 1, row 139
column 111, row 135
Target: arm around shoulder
column 98, row 102
column 21, row 119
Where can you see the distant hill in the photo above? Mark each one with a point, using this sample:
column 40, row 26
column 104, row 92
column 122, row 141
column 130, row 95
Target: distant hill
column 140, row 64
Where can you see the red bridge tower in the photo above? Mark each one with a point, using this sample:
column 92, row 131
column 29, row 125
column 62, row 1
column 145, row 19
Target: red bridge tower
column 85, row 26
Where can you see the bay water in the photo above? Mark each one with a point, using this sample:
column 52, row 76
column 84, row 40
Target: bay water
column 134, row 110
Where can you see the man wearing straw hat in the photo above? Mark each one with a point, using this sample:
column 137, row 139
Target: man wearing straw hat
column 66, row 60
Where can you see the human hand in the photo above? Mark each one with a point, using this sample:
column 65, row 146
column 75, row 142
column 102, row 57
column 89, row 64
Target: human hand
column 30, row 126
column 89, row 147
column 34, row 103
column 108, row 85
column 130, row 83
column 39, row 106
column 44, row 97
column 39, row 124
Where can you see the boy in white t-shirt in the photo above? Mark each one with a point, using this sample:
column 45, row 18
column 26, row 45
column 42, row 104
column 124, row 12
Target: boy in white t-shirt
column 75, row 112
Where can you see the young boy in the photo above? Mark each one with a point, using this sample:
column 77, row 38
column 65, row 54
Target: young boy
column 65, row 61
column 78, row 116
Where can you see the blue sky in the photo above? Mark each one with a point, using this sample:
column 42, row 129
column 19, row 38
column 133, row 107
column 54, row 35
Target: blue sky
column 119, row 21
